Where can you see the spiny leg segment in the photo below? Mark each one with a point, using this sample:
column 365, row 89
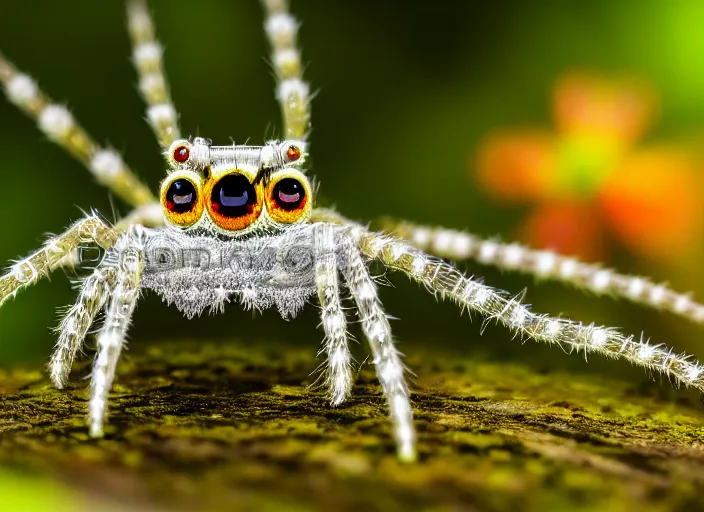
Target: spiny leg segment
column 74, row 326
column 147, row 57
column 291, row 91
column 594, row 278
column 338, row 372
column 446, row 281
column 90, row 230
column 128, row 254
column 58, row 124
column 589, row 277
column 389, row 368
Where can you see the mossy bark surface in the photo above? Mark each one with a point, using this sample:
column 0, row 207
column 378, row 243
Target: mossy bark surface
column 230, row 426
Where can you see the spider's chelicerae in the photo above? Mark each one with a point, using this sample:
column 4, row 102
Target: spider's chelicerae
column 239, row 224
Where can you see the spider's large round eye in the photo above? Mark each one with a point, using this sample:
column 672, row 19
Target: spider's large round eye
column 288, row 197
column 234, row 203
column 180, row 197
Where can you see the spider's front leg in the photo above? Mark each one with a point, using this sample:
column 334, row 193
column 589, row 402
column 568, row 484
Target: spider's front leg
column 389, row 368
column 72, row 330
column 125, row 261
column 338, row 367
column 55, row 252
column 292, row 92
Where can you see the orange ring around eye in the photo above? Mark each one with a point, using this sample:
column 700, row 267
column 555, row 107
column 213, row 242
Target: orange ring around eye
column 288, row 197
column 232, row 201
column 181, row 198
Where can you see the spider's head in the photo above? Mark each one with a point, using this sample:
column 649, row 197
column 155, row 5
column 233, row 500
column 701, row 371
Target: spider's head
column 234, row 190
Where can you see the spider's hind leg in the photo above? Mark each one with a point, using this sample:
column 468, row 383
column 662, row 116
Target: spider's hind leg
column 57, row 123
column 292, row 91
column 147, row 58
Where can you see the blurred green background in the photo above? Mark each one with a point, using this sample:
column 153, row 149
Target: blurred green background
column 405, row 93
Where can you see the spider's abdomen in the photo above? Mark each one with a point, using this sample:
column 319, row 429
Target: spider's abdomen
column 196, row 273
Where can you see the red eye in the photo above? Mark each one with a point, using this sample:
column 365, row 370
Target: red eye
column 293, row 153
column 181, row 154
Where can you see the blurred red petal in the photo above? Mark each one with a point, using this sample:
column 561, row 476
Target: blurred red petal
column 653, row 202
column 570, row 228
column 617, row 110
column 517, row 166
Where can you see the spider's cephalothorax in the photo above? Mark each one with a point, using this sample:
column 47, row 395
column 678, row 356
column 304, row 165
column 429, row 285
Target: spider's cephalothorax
column 240, row 224
column 237, row 236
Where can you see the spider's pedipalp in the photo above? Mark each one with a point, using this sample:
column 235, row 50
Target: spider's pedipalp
column 149, row 215
column 127, row 259
column 58, row 124
column 88, row 231
column 448, row 282
column 147, row 57
column 75, row 324
column 338, row 369
column 387, row 359
column 292, row 91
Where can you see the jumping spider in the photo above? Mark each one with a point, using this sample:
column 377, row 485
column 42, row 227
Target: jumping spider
column 227, row 221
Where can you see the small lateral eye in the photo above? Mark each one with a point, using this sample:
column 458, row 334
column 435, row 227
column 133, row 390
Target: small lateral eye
column 288, row 198
column 181, row 201
column 293, row 153
column 181, row 153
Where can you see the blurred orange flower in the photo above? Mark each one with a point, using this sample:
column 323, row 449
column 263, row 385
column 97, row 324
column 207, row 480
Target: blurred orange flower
column 588, row 178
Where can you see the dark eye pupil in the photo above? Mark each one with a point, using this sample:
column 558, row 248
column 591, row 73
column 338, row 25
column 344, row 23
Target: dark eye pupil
column 234, row 196
column 181, row 196
column 289, row 194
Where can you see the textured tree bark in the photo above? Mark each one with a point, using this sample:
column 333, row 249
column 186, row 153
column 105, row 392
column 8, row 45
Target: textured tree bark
column 233, row 427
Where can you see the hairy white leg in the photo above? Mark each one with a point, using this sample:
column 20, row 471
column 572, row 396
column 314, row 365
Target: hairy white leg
column 291, row 91
column 57, row 251
column 149, row 215
column 338, row 372
column 389, row 368
column 446, row 281
column 590, row 277
column 331, row 216
column 457, row 245
column 128, row 252
column 147, row 57
column 59, row 125
column 73, row 328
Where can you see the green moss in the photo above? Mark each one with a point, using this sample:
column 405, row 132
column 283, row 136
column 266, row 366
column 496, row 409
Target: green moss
column 232, row 426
